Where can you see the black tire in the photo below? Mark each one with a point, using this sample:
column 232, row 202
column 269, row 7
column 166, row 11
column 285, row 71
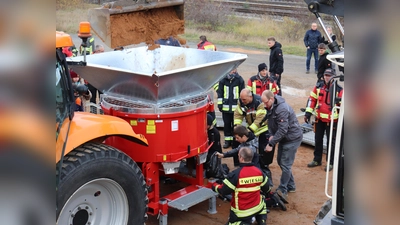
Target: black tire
column 101, row 185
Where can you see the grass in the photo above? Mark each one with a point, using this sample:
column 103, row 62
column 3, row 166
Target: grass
column 241, row 32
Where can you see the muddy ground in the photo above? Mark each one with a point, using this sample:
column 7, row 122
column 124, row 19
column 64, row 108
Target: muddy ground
column 305, row 203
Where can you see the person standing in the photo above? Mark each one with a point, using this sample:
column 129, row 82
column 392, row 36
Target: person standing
column 323, row 114
column 311, row 40
column 257, row 84
column 229, row 88
column 284, row 129
column 204, row 44
column 251, row 108
column 323, row 64
column 245, row 184
column 275, row 61
column 330, row 33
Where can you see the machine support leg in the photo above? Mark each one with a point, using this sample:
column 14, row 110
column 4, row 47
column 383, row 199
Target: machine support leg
column 163, row 217
column 212, row 205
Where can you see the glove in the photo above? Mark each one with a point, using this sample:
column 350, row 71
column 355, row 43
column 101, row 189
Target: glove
column 307, row 117
column 220, row 108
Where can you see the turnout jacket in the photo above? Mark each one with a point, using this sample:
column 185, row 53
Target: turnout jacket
column 323, row 64
column 318, row 101
column 228, row 92
column 276, row 59
column 257, row 86
column 283, row 123
column 244, row 184
column 254, row 112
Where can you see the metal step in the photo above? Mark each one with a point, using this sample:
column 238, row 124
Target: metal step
column 191, row 199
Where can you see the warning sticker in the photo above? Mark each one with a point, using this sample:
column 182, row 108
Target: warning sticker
column 133, row 122
column 150, row 129
column 174, row 125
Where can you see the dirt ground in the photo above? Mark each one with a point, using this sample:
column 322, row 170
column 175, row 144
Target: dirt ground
column 306, row 202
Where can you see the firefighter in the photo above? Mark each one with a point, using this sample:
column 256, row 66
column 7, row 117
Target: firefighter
column 319, row 102
column 257, row 84
column 204, row 44
column 245, row 184
column 229, row 88
column 89, row 48
column 261, row 82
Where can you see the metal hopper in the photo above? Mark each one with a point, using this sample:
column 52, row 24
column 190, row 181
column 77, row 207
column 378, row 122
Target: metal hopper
column 158, row 76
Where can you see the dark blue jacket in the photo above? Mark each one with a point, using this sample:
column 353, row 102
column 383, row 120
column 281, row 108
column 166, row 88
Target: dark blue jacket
column 170, row 41
column 312, row 38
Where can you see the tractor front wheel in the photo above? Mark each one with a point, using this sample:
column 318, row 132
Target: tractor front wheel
column 100, row 185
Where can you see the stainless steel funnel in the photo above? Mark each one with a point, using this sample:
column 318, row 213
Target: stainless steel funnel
column 158, row 76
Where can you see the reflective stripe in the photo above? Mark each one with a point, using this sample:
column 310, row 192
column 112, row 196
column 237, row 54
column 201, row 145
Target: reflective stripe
column 254, row 87
column 228, row 138
column 324, row 116
column 226, row 92
column 235, row 93
column 219, row 101
column 229, row 184
column 250, row 180
column 216, row 86
column 261, row 111
column 240, row 111
column 253, row 127
column 249, row 212
column 234, row 107
column 310, row 110
column 261, row 130
column 237, row 121
column 249, row 189
column 312, row 94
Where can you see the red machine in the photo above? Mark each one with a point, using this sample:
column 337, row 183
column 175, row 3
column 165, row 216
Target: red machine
column 164, row 95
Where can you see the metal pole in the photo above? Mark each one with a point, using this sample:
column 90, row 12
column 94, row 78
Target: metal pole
column 339, row 24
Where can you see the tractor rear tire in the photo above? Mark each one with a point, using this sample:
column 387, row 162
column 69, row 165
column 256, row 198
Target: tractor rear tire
column 100, row 185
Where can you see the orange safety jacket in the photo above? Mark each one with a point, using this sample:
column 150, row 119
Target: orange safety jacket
column 318, row 102
column 207, row 46
column 257, row 86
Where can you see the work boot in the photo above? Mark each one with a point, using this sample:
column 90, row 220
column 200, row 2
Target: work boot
column 227, row 144
column 313, row 164
column 330, row 167
column 278, row 202
column 307, row 71
column 282, row 195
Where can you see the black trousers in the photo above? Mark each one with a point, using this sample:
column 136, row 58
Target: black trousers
column 228, row 126
column 266, row 158
column 320, row 129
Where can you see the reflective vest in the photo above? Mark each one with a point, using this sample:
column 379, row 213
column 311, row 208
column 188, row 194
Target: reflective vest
column 318, row 102
column 254, row 113
column 245, row 184
column 89, row 48
column 257, row 86
column 228, row 92
column 207, row 46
